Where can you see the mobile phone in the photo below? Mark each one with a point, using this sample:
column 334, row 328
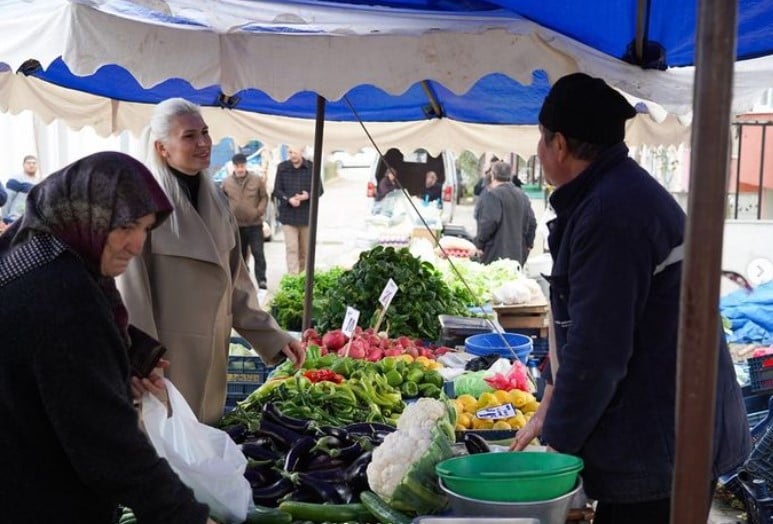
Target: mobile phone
column 144, row 352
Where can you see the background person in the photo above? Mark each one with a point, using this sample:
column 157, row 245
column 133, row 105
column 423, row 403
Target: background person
column 71, row 448
column 18, row 188
column 386, row 186
column 615, row 290
column 433, row 190
column 292, row 189
column 248, row 198
column 506, row 221
column 190, row 287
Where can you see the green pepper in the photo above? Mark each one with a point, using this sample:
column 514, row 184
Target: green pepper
column 433, row 377
column 343, row 366
column 387, row 364
column 394, row 378
column 429, row 390
column 409, row 389
column 415, row 375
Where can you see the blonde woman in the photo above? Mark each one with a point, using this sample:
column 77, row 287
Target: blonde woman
column 190, row 287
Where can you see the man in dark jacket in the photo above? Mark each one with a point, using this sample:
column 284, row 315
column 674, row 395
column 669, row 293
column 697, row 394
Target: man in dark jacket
column 616, row 244
column 292, row 189
column 506, row 222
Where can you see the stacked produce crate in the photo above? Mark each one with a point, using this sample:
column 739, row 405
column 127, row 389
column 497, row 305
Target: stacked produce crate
column 245, row 374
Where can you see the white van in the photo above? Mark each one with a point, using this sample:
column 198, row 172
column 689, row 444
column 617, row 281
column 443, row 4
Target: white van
column 411, row 170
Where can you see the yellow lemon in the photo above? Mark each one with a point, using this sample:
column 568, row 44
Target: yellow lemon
column 459, row 427
column 502, row 396
column 501, row 424
column 530, row 407
column 487, row 400
column 517, row 421
column 458, row 407
column 468, row 402
column 520, row 398
column 464, row 420
column 481, row 423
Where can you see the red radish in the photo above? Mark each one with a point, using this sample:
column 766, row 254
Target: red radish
column 334, row 340
column 369, row 331
column 404, row 341
column 357, row 331
column 375, row 355
column 418, row 343
column 357, row 349
column 442, row 350
column 412, row 351
column 394, row 352
column 424, row 352
column 323, row 350
column 310, row 334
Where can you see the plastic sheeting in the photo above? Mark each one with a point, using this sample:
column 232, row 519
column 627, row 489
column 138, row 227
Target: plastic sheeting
column 750, row 314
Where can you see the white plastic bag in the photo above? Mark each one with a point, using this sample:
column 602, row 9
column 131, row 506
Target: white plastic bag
column 205, row 458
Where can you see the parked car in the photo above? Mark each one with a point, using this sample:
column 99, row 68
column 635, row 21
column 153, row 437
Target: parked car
column 363, row 158
column 411, row 170
column 257, row 163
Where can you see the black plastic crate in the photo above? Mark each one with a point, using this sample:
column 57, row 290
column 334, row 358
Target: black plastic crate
column 761, row 373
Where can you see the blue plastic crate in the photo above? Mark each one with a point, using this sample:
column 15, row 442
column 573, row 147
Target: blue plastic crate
column 247, row 369
column 759, row 506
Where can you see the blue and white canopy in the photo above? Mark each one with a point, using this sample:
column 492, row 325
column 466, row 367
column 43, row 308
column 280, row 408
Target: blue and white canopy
column 400, row 64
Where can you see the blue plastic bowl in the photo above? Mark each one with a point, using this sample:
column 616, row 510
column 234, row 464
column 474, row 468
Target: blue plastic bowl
column 486, row 343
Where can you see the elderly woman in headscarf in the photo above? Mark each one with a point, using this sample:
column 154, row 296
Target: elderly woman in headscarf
column 190, row 287
column 71, row 447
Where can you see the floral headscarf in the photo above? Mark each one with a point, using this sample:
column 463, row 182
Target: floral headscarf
column 75, row 209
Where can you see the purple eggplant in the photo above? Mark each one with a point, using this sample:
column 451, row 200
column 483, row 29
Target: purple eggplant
column 299, row 454
column 271, row 411
column 270, row 495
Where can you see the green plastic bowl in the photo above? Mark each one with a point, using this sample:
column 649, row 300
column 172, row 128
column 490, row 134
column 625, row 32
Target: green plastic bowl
column 510, row 476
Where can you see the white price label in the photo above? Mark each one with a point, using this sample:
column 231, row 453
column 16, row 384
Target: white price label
column 388, row 294
column 503, row 411
column 350, row 321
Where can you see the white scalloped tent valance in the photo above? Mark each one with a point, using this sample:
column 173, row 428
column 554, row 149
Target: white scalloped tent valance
column 109, row 117
column 284, row 48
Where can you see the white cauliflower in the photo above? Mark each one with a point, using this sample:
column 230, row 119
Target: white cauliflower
column 424, row 414
column 402, row 470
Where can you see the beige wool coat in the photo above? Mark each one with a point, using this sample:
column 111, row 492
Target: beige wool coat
column 189, row 288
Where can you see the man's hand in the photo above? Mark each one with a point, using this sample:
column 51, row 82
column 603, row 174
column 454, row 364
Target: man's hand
column 295, row 353
column 303, row 195
column 294, row 201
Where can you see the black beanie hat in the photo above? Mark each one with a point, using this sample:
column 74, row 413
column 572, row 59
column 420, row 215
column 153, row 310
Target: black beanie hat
column 239, row 158
column 587, row 109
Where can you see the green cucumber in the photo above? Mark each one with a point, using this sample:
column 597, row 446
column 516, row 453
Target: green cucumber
column 381, row 510
column 354, row 512
column 264, row 515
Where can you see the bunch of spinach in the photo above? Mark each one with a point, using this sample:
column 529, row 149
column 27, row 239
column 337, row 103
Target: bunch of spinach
column 422, row 295
column 287, row 304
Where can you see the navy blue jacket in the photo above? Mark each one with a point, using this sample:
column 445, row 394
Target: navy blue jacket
column 615, row 306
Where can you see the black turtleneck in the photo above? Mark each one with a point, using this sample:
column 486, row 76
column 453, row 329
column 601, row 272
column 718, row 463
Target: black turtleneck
column 189, row 184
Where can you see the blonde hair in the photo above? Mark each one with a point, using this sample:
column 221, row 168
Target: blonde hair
column 160, row 130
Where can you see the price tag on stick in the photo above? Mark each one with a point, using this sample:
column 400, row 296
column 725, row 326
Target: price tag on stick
column 385, row 299
column 350, row 322
column 388, row 293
